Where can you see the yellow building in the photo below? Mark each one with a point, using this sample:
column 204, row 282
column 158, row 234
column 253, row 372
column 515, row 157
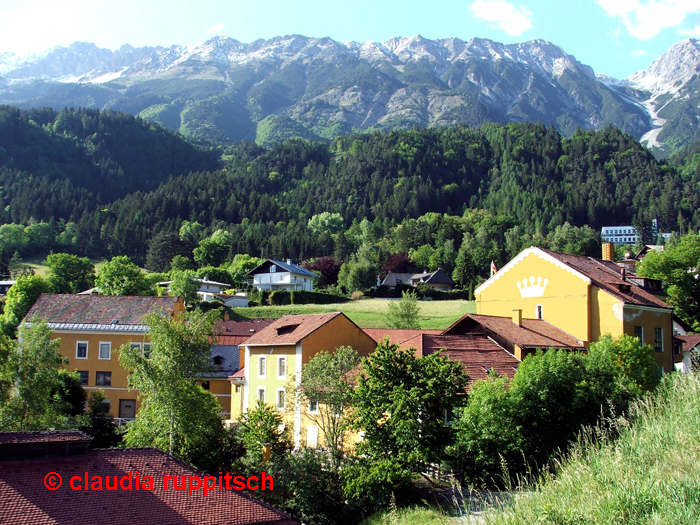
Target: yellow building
column 93, row 327
column 274, row 357
column 582, row 296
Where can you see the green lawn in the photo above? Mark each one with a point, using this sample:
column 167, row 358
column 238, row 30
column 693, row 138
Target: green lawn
column 369, row 313
column 35, row 263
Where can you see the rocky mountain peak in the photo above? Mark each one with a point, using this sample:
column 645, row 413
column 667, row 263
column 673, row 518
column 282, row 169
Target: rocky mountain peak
column 670, row 71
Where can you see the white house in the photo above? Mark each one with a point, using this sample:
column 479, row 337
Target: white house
column 278, row 275
column 207, row 288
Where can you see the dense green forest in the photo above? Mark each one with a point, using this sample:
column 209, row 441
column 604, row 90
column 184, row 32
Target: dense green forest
column 109, row 184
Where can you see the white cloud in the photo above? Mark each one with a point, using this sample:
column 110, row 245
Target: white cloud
column 504, row 15
column 639, row 53
column 694, row 32
column 646, row 19
column 215, row 28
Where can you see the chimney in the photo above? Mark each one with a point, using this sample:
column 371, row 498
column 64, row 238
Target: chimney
column 518, row 317
column 226, row 316
column 289, row 261
column 608, row 251
column 623, row 274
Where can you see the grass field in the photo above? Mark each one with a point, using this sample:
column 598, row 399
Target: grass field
column 35, row 263
column 369, row 313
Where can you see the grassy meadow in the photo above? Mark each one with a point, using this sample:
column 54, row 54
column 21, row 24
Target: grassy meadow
column 368, row 313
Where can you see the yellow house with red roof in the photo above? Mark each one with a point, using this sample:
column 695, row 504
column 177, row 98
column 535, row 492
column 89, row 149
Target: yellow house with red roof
column 583, row 297
column 274, row 357
column 93, row 327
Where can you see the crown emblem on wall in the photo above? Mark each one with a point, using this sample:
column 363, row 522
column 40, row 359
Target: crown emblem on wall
column 531, row 289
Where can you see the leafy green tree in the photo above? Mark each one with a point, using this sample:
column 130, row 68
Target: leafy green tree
column 326, row 222
column 403, row 313
column 120, row 276
column 31, row 381
column 213, row 250
column 20, row 298
column 401, row 402
column 679, row 268
column 259, row 427
column 176, row 414
column 240, row 266
column 634, row 362
column 185, row 285
column 180, row 263
column 71, row 391
column 161, row 250
column 326, row 383
column 357, row 275
column 69, row 274
column 100, row 425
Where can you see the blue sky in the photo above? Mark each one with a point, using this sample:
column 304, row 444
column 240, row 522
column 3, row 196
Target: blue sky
column 615, row 37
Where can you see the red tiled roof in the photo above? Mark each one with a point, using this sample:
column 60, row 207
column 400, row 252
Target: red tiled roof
column 534, row 333
column 62, row 436
column 27, row 501
column 395, row 336
column 607, row 276
column 99, row 309
column 291, row 329
column 690, row 341
column 477, row 353
column 236, row 332
column 239, row 374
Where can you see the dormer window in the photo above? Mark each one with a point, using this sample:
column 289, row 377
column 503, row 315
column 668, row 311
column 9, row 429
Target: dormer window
column 286, row 329
column 218, row 360
column 273, row 268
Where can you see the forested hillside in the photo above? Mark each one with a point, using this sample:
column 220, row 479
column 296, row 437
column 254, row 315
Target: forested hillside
column 64, row 164
column 371, row 189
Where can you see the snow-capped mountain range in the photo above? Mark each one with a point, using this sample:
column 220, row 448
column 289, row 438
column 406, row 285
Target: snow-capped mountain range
column 269, row 90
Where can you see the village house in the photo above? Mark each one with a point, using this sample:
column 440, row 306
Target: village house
column 583, row 297
column 278, row 275
column 93, row 327
column 275, row 355
column 437, row 280
column 207, row 289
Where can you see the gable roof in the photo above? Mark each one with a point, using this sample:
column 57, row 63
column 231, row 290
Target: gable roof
column 26, row 500
column 236, row 332
column 230, row 356
column 477, row 353
column 534, row 333
column 606, row 275
column 437, row 277
column 392, row 279
column 53, row 436
column 287, row 267
column 291, row 329
column 690, row 341
column 99, row 312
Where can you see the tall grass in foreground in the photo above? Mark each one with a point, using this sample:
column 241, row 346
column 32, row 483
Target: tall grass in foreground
column 650, row 474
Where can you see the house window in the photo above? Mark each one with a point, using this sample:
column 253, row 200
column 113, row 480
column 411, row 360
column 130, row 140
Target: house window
column 205, row 385
column 659, row 339
column 273, row 268
column 262, row 366
column 538, row 312
column 313, row 406
column 281, row 397
column 84, row 375
column 261, row 394
column 103, row 379
column 81, row 350
column 105, row 350
column 281, row 367
column 146, row 350
column 639, row 333
column 135, row 346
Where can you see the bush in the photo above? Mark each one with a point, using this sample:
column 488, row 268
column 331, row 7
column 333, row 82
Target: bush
column 279, row 298
column 306, row 297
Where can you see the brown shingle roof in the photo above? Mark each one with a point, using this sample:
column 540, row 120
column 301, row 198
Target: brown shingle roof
column 54, row 436
column 395, row 336
column 690, row 341
column 291, row 329
column 98, row 309
column 534, row 333
column 607, row 276
column 477, row 353
column 27, row 501
column 236, row 332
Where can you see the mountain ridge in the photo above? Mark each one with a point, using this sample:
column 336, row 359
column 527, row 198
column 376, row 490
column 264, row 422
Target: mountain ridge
column 225, row 90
